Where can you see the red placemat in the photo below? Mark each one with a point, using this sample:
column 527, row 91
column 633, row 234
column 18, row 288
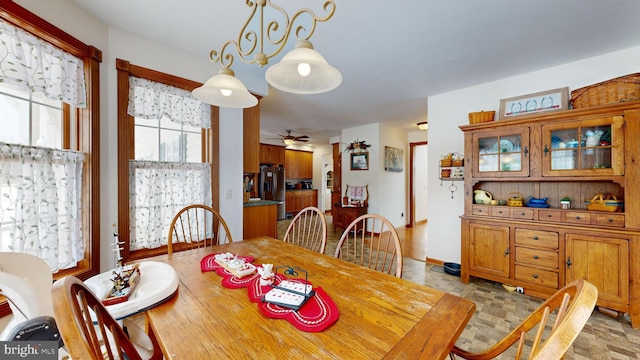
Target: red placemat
column 317, row 314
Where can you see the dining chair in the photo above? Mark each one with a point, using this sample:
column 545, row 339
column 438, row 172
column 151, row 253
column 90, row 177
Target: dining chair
column 573, row 305
column 87, row 328
column 372, row 241
column 308, row 229
column 197, row 226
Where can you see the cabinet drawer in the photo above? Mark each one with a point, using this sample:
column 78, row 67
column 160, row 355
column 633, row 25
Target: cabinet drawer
column 550, row 215
column 616, row 220
column 522, row 213
column 536, row 276
column 538, row 238
column 500, row 211
column 543, row 258
column 480, row 210
column 577, row 217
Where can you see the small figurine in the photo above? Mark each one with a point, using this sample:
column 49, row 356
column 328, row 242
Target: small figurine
column 266, row 274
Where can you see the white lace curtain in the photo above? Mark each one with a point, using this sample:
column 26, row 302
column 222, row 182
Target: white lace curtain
column 154, row 100
column 34, row 65
column 40, row 203
column 157, row 191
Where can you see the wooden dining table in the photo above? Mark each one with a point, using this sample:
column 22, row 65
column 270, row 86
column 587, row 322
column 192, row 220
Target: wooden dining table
column 381, row 316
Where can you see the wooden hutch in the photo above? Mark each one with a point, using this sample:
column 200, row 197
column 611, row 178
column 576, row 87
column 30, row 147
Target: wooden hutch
column 549, row 155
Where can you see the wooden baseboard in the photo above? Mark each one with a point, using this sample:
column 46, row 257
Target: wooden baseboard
column 434, row 261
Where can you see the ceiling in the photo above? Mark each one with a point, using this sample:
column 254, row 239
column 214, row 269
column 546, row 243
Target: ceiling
column 392, row 55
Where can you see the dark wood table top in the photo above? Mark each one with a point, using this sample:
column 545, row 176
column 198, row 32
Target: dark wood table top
column 380, row 315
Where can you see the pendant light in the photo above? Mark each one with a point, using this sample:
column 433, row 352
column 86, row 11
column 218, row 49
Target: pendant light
column 303, row 71
column 225, row 90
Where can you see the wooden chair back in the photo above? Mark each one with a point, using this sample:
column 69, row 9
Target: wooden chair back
column 308, row 229
column 87, row 328
column 372, row 241
column 197, row 226
column 572, row 305
column 356, row 196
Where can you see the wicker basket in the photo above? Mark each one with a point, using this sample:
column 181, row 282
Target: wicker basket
column 624, row 88
column 514, row 199
column 446, row 162
column 604, row 202
column 480, row 117
column 445, row 173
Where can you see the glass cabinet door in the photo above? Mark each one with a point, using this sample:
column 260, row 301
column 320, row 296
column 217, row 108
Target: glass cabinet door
column 591, row 147
column 501, row 154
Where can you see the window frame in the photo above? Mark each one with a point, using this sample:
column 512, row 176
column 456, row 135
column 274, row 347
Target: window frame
column 88, row 134
column 126, row 148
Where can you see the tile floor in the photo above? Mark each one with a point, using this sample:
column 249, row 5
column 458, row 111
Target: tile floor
column 498, row 311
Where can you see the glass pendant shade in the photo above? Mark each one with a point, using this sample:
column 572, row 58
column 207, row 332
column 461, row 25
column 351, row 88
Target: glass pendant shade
column 423, row 125
column 225, row 90
column 303, row 71
column 288, row 142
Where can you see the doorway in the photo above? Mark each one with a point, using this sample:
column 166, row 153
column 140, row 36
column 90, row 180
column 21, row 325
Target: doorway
column 418, row 176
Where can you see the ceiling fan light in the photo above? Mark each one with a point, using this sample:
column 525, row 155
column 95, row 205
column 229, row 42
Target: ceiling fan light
column 225, row 90
column 286, row 74
column 304, row 69
column 289, row 142
column 423, row 125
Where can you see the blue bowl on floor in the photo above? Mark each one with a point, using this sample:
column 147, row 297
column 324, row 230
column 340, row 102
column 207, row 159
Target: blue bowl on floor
column 452, row 268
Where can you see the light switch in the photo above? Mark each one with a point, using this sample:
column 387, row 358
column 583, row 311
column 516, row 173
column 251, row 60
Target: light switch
column 228, row 194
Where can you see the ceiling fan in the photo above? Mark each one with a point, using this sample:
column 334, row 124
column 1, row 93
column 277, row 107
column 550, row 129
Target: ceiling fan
column 290, row 139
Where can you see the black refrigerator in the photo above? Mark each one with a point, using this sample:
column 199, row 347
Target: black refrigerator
column 272, row 186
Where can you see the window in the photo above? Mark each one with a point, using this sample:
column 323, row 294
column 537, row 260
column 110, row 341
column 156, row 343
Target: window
column 167, row 162
column 49, row 118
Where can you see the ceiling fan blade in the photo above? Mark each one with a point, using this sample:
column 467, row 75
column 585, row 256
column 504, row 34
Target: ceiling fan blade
column 302, row 137
column 301, row 140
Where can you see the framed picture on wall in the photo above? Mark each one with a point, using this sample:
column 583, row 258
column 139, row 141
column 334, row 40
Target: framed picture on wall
column 393, row 159
column 360, row 161
column 552, row 100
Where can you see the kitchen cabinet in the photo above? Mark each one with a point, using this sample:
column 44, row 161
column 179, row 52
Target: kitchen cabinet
column 296, row 200
column 298, row 164
column 489, row 249
column 272, row 154
column 251, row 139
column 574, row 153
column 606, row 254
column 260, row 221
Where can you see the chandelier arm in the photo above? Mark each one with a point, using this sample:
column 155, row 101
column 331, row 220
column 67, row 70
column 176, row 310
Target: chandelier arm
column 254, row 40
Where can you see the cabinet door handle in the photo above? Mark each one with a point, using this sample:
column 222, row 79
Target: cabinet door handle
column 535, row 257
column 506, row 252
column 546, row 150
column 535, row 276
column 577, row 217
column 525, row 151
column 569, row 262
column 610, row 220
column 535, row 237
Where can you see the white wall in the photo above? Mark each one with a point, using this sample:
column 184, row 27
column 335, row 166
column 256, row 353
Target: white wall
column 387, row 190
column 420, row 177
column 450, row 110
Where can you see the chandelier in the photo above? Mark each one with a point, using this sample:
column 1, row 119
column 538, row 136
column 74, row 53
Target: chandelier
column 302, row 71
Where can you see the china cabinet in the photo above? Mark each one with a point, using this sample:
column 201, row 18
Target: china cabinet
column 540, row 247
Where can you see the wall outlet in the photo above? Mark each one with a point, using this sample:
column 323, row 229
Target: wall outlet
column 228, row 194
column 520, row 289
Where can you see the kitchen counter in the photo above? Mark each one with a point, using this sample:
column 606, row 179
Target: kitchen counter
column 260, row 218
column 300, row 189
column 260, row 203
